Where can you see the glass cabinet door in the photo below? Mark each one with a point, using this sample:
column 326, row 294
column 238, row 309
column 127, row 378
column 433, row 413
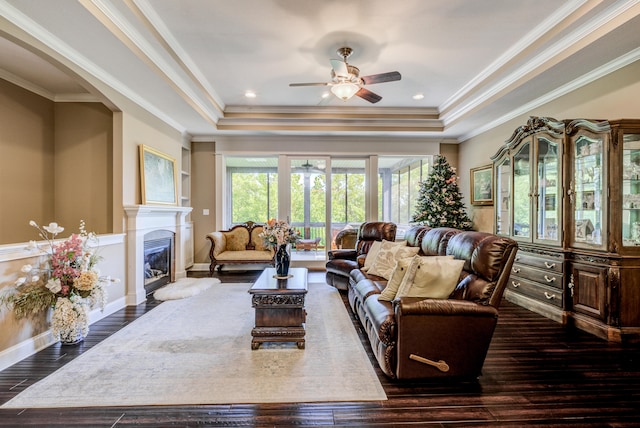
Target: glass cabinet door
column 588, row 191
column 503, row 196
column 549, row 194
column 522, row 192
column 631, row 190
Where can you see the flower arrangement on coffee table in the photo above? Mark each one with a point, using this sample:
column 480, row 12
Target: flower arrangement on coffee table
column 279, row 234
column 70, row 283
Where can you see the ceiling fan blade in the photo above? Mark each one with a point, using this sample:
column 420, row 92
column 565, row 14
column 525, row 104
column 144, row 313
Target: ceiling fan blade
column 366, row 94
column 339, row 68
column 381, row 78
column 309, row 84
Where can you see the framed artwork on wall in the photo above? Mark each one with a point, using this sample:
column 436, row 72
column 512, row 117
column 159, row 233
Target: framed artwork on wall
column 482, row 185
column 157, row 177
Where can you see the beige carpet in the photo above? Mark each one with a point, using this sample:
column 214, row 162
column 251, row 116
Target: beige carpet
column 184, row 287
column 198, row 351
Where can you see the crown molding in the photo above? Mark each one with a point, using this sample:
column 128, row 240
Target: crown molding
column 117, row 24
column 144, row 10
column 596, row 27
column 587, row 78
column 76, row 98
column 56, row 48
column 25, row 84
column 426, row 113
column 342, row 119
column 549, row 27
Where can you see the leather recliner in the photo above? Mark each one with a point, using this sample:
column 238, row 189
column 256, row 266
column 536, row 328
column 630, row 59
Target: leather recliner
column 342, row 262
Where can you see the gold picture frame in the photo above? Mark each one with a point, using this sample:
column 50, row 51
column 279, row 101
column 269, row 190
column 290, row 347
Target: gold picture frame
column 482, row 185
column 158, row 174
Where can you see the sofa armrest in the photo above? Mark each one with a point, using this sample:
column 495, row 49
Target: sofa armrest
column 420, row 306
column 218, row 243
column 442, row 338
column 348, row 254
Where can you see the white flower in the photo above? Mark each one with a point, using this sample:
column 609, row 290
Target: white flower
column 21, row 280
column 33, row 223
column 35, row 278
column 26, row 269
column 32, row 245
column 54, row 285
column 53, row 228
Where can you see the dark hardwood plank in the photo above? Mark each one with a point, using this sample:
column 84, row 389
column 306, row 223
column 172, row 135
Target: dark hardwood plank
column 537, row 373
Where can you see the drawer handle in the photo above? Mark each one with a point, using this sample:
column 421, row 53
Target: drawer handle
column 515, row 284
column 549, row 296
column 552, row 279
column 516, row 270
column 549, row 265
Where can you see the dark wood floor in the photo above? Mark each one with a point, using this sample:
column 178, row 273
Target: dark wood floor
column 536, row 374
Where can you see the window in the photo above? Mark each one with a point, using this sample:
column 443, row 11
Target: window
column 399, row 187
column 253, row 184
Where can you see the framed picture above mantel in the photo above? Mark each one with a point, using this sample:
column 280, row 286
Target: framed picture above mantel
column 157, row 177
column 482, row 185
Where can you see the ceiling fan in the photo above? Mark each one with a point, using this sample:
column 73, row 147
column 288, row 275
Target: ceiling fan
column 346, row 81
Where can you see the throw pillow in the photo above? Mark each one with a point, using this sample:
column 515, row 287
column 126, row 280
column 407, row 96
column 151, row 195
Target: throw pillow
column 434, row 278
column 395, row 279
column 389, row 253
column 371, row 255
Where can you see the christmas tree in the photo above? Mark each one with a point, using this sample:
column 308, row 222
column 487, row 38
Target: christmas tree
column 440, row 202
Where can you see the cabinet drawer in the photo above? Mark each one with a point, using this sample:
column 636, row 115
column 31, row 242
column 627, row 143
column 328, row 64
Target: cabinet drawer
column 539, row 262
column 542, row 293
column 547, row 277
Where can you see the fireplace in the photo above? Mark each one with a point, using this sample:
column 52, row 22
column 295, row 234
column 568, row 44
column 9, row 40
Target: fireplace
column 151, row 223
column 159, row 259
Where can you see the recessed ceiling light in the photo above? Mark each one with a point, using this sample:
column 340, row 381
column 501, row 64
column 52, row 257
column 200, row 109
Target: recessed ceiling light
column 418, row 96
column 250, row 94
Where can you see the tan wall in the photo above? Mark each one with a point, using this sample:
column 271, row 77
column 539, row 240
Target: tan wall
column 83, row 159
column 450, row 152
column 203, row 169
column 137, row 131
column 613, row 97
column 26, row 162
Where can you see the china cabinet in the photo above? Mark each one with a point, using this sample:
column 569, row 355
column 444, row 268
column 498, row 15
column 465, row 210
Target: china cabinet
column 569, row 192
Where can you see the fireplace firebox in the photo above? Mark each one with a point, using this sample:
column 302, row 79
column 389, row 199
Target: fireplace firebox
column 159, row 259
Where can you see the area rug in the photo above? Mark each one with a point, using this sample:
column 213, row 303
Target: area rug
column 198, row 351
column 184, row 287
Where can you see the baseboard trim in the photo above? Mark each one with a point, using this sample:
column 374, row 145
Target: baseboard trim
column 32, row 345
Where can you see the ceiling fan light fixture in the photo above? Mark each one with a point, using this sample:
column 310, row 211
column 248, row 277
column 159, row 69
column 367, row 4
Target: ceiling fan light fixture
column 345, row 90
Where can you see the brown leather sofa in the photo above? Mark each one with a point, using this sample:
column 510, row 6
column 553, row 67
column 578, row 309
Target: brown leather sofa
column 417, row 338
column 342, row 262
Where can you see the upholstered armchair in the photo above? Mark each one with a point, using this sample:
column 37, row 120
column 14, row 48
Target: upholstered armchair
column 342, row 262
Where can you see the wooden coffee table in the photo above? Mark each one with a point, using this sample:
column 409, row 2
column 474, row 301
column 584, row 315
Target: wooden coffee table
column 279, row 305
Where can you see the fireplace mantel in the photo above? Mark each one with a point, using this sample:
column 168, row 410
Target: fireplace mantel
column 142, row 219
